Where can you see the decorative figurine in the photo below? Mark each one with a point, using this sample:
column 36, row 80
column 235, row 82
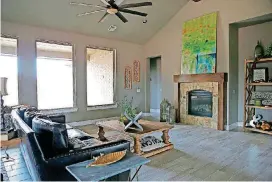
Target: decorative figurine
column 134, row 121
column 266, row 126
column 256, row 121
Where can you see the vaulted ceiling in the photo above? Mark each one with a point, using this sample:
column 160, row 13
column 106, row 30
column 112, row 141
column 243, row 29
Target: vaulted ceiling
column 60, row 15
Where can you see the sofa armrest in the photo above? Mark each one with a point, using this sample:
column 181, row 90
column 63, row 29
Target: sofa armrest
column 111, row 147
column 87, row 154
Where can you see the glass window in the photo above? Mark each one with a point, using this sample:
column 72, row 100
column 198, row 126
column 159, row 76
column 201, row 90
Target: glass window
column 8, row 69
column 54, row 75
column 100, row 76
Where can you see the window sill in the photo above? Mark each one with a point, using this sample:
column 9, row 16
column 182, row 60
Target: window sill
column 59, row 111
column 94, row 108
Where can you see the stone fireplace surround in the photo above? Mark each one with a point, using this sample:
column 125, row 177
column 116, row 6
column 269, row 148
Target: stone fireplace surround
column 214, row 83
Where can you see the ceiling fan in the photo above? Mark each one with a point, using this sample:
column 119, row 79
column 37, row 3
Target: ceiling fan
column 114, row 7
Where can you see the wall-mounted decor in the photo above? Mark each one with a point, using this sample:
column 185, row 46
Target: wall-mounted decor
column 136, row 71
column 128, row 78
column 199, row 45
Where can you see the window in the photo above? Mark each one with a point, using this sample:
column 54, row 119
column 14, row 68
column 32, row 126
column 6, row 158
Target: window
column 54, row 75
column 8, row 69
column 100, row 76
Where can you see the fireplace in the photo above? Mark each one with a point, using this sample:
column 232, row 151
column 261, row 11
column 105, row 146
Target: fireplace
column 200, row 103
column 201, row 99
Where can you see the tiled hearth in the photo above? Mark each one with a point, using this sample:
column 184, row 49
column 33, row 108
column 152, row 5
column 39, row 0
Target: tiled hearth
column 215, row 84
column 187, row 118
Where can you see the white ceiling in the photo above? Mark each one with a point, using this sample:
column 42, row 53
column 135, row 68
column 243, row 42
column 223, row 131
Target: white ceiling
column 59, row 14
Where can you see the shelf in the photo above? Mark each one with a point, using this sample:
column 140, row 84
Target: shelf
column 258, row 130
column 259, row 107
column 260, row 84
column 264, row 60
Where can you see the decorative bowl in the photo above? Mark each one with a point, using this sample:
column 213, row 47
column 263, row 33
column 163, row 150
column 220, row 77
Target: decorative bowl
column 107, row 159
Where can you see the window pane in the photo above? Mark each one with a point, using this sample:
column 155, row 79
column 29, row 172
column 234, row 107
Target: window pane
column 54, row 76
column 8, row 69
column 100, row 77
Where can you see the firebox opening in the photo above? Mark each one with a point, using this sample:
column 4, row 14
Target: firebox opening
column 200, row 103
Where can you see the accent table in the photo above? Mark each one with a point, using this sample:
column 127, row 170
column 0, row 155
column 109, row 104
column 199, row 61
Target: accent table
column 148, row 128
column 98, row 173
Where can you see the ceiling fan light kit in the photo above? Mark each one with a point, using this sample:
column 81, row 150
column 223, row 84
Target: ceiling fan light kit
column 114, row 7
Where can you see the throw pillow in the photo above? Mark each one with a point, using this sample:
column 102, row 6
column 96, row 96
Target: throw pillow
column 150, row 143
column 42, row 125
column 29, row 114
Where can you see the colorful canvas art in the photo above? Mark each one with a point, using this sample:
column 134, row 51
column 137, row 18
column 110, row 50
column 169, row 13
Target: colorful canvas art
column 199, row 45
column 128, row 78
column 136, row 71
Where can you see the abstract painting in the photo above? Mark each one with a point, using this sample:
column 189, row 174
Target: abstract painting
column 199, row 45
column 136, row 71
column 128, row 78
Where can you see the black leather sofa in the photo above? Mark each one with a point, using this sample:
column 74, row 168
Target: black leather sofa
column 44, row 161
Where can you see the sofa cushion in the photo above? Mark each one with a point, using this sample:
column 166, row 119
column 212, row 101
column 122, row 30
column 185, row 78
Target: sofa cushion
column 49, row 131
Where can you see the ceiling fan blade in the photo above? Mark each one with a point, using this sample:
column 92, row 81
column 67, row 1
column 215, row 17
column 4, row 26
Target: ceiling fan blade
column 104, row 17
column 132, row 12
column 89, row 13
column 134, row 5
column 105, row 2
column 118, row 2
column 89, row 5
column 121, row 17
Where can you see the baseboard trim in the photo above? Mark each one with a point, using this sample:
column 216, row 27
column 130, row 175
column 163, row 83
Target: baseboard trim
column 146, row 114
column 155, row 110
column 233, row 126
column 91, row 122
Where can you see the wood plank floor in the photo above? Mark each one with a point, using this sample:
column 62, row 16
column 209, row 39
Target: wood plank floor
column 207, row 154
column 199, row 154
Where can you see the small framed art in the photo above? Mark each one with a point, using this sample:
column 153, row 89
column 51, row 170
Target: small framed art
column 260, row 75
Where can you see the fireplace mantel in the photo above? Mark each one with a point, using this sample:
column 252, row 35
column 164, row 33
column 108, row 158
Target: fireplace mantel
column 205, row 81
column 210, row 77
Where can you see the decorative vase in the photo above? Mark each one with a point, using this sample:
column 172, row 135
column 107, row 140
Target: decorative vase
column 259, row 51
column 258, row 102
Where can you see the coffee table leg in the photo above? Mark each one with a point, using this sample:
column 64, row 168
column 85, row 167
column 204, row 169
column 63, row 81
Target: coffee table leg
column 101, row 134
column 137, row 145
column 165, row 136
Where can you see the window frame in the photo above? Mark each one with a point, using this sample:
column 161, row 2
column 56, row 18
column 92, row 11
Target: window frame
column 104, row 106
column 9, row 36
column 66, row 109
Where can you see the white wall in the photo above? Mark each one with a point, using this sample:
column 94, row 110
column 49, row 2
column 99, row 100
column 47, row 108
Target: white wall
column 248, row 38
column 126, row 54
column 168, row 41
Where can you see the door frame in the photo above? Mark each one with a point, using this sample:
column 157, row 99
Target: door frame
column 147, row 82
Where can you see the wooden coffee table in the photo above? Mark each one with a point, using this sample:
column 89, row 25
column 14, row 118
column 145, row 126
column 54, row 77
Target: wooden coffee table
column 148, row 128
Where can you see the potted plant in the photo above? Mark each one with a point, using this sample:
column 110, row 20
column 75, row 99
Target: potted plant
column 127, row 107
column 268, row 51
